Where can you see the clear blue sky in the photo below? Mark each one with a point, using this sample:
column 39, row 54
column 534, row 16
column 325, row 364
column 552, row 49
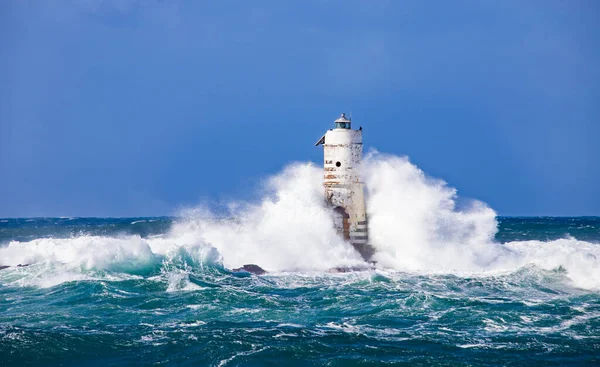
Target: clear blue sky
column 123, row 107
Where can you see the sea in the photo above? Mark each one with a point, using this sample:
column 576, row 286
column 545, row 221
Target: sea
column 452, row 282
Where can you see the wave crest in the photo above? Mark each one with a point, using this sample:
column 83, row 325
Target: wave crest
column 416, row 223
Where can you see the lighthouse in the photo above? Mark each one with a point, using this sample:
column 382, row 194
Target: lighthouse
column 344, row 189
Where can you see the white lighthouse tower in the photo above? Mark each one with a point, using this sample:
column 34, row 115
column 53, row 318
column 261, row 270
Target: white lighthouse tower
column 344, row 190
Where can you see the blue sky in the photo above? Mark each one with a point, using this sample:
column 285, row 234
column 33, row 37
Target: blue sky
column 126, row 108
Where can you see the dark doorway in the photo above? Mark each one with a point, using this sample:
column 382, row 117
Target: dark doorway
column 341, row 221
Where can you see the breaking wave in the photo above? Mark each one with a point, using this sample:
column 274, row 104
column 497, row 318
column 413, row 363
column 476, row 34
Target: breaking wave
column 417, row 224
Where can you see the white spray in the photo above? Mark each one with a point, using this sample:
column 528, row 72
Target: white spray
column 414, row 220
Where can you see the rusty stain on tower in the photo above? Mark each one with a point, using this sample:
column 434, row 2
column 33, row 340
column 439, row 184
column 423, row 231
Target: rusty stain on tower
column 344, row 190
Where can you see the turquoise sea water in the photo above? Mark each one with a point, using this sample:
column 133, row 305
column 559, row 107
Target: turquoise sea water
column 100, row 291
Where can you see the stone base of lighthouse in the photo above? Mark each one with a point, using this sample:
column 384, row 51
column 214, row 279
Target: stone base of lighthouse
column 350, row 219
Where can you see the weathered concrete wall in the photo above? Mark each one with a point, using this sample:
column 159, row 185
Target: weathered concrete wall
column 344, row 188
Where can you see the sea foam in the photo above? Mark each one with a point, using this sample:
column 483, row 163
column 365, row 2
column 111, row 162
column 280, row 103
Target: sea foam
column 415, row 223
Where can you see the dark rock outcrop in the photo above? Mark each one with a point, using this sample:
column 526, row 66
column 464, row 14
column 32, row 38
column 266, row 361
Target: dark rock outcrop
column 2, row 267
column 251, row 268
column 367, row 266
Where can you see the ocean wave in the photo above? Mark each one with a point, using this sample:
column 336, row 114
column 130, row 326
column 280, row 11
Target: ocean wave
column 416, row 225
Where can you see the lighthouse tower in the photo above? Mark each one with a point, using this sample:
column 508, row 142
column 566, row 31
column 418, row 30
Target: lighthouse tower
column 344, row 190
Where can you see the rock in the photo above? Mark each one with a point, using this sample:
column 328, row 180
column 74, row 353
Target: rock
column 2, row 267
column 251, row 268
column 349, row 269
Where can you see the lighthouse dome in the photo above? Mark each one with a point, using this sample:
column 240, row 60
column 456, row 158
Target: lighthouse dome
column 342, row 122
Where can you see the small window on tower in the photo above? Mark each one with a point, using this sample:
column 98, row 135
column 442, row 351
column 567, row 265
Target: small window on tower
column 337, row 164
